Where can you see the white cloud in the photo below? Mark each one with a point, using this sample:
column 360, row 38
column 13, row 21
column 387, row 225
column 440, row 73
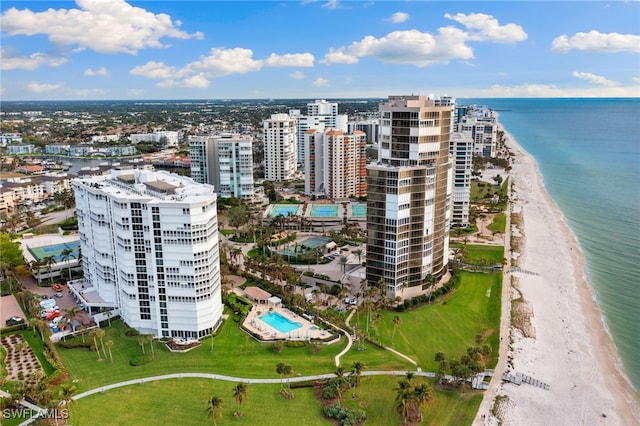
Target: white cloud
column 595, row 79
column 102, row 71
column 290, row 60
column 28, row 63
column 219, row 63
column 636, row 80
column 154, row 70
column 331, row 4
column 89, row 93
column 408, row 47
column 487, row 28
column 399, row 17
column 338, row 56
column 530, row 90
column 35, row 87
column 106, row 26
column 597, row 42
column 297, row 75
column 321, row 82
column 423, row 49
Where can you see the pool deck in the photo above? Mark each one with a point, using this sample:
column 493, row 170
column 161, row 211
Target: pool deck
column 266, row 332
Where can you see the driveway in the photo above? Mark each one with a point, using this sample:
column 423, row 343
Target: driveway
column 8, row 308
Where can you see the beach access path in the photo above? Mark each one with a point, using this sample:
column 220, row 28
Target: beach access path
column 569, row 347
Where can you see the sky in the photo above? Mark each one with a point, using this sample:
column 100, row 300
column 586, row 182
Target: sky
column 326, row 49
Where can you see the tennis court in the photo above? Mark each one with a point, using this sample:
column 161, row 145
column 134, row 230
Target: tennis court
column 324, row 210
column 359, row 210
column 310, row 243
column 55, row 250
column 284, row 210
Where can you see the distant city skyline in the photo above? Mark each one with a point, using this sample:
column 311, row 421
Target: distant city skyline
column 112, row 49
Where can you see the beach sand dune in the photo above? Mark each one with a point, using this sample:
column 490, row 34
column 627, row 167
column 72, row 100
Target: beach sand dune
column 569, row 348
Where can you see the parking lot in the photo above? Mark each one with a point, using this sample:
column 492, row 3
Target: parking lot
column 8, row 308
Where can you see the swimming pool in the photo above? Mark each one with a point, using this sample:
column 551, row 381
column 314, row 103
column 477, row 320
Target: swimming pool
column 324, row 210
column 284, row 210
column 279, row 322
column 359, row 210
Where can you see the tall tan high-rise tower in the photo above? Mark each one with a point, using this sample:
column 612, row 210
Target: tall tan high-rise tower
column 409, row 197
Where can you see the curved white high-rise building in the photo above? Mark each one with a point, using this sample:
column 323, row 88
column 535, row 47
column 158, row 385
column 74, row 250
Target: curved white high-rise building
column 150, row 248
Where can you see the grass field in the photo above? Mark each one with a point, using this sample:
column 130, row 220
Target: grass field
column 449, row 325
column 499, row 223
column 234, row 353
column 184, row 401
column 474, row 253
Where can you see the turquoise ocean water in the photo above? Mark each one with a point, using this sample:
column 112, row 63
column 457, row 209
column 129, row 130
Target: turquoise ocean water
column 588, row 151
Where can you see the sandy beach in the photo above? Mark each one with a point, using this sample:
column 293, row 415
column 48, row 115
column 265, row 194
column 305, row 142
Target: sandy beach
column 566, row 345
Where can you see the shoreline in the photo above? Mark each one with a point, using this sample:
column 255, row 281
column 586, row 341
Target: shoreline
column 571, row 348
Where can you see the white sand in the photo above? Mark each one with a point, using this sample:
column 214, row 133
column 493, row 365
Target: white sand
column 571, row 350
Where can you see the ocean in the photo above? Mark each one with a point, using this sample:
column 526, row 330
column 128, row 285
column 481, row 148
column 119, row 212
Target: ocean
column 588, row 151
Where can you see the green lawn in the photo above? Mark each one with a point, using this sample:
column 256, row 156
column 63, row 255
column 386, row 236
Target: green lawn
column 474, row 253
column 185, row 401
column 234, row 353
column 449, row 325
column 499, row 223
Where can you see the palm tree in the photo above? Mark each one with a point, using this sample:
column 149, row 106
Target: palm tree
column 339, row 382
column 100, row 333
column 422, row 394
column 215, row 408
column 357, row 368
column 109, row 344
column 108, row 314
column 343, row 263
column 66, row 255
column 49, row 261
column 280, row 370
column 404, row 396
column 359, row 253
column 149, row 338
column 67, row 392
column 141, row 341
column 95, row 344
column 239, row 393
column 396, row 322
column 35, row 268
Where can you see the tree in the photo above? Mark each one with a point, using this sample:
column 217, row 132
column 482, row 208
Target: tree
column 343, row 263
column 404, row 395
column 100, row 333
column 359, row 253
column 49, row 261
column 141, row 341
column 67, row 392
column 109, row 345
column 149, row 338
column 95, row 344
column 215, row 408
column 357, row 368
column 396, row 322
column 35, row 266
column 422, row 394
column 67, row 255
column 240, row 392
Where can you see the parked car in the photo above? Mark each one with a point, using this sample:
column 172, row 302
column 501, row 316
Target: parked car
column 6, row 293
column 81, row 306
column 349, row 301
column 14, row 321
column 58, row 295
column 57, row 287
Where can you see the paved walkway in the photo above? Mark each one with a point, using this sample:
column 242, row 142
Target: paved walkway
column 246, row 380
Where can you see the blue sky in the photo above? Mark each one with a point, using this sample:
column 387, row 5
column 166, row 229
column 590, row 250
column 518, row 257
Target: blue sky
column 114, row 49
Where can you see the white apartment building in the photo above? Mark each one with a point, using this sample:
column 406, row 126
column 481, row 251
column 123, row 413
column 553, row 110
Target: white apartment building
column 336, row 164
column 280, row 147
column 461, row 149
column 483, row 127
column 320, row 115
column 168, row 138
column 150, row 249
column 224, row 161
column 409, row 197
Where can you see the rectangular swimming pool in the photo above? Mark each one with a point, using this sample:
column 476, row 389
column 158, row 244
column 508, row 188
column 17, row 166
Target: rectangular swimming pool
column 279, row 322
